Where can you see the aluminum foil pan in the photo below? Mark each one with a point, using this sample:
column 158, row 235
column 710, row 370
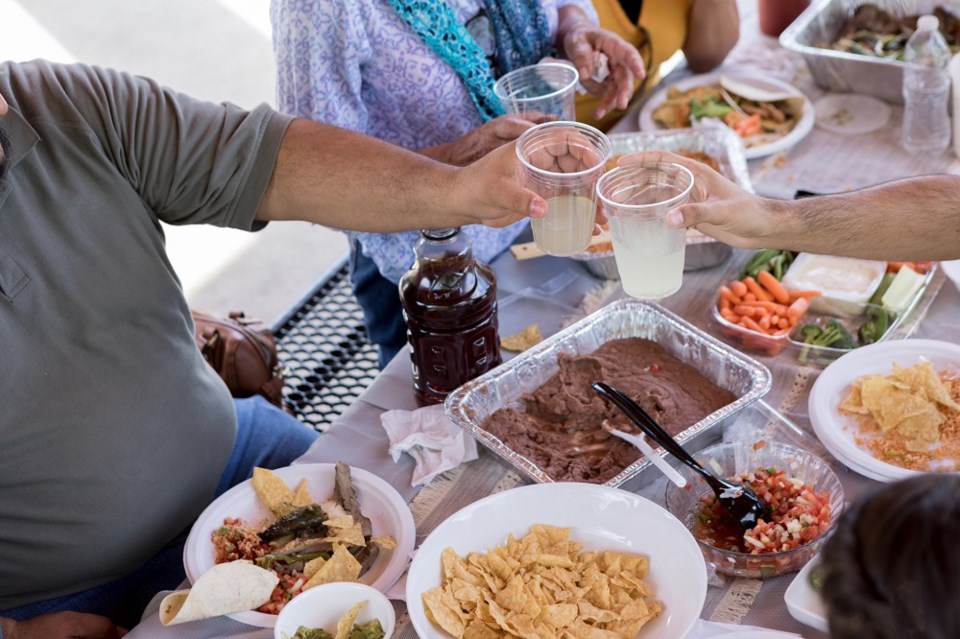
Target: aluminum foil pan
column 469, row 405
column 721, row 144
column 844, row 72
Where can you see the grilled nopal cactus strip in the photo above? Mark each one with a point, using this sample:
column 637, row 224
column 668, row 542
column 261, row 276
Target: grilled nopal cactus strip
column 306, row 521
column 345, row 495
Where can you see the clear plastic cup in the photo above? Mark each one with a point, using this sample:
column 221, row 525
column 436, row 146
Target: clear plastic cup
column 562, row 162
column 548, row 88
column 636, row 200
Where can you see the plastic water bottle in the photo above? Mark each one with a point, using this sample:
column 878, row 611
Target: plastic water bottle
column 926, row 89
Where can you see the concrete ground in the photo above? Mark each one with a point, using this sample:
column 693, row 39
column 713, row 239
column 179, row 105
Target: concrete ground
column 212, row 49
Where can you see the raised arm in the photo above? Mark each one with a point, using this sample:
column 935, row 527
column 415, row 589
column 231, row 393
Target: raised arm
column 913, row 219
column 346, row 180
column 713, row 29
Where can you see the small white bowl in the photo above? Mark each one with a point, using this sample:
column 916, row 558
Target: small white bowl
column 323, row 606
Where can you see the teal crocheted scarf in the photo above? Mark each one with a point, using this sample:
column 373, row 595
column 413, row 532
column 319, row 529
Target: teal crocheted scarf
column 520, row 29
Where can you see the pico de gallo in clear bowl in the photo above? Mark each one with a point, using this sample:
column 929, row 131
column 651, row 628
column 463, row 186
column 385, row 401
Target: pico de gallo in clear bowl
column 803, row 494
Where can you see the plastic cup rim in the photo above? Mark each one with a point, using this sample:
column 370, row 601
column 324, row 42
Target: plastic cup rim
column 670, row 203
column 557, row 123
column 499, row 85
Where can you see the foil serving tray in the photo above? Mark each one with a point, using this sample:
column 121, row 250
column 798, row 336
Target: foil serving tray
column 469, row 405
column 844, row 72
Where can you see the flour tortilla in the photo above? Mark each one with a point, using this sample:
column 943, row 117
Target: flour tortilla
column 224, row 589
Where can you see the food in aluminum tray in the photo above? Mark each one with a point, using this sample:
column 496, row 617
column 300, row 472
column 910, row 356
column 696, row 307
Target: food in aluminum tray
column 472, row 403
column 720, row 144
column 820, row 24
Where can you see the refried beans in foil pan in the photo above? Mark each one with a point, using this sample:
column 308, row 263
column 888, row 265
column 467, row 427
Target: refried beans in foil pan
column 539, row 413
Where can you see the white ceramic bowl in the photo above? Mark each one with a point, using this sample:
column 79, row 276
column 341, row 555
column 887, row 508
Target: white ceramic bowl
column 323, row 606
column 601, row 518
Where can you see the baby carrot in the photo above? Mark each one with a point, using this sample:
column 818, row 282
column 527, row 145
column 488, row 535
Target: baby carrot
column 749, row 297
column 739, row 288
column 811, row 293
column 724, row 303
column 748, row 311
column 757, row 290
column 773, row 285
column 748, row 322
column 798, row 307
column 773, row 307
column 729, row 315
column 727, row 294
column 764, row 322
column 783, row 323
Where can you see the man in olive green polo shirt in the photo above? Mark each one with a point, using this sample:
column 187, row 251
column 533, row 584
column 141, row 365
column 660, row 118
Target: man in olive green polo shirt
column 114, row 433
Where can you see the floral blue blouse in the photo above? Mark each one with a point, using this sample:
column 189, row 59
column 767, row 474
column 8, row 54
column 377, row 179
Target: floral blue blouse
column 356, row 64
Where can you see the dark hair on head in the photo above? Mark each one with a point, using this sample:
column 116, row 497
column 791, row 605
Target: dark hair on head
column 892, row 567
column 4, row 152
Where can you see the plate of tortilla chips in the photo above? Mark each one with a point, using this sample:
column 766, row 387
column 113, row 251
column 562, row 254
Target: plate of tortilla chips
column 561, row 559
column 310, row 524
column 768, row 115
column 891, row 409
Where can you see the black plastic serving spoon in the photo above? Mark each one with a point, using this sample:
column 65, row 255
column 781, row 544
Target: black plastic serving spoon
column 737, row 499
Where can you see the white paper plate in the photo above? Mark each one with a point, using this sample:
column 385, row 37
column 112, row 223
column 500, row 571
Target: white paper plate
column 851, row 113
column 803, row 602
column 836, row 430
column 379, row 501
column 803, row 127
column 602, row 518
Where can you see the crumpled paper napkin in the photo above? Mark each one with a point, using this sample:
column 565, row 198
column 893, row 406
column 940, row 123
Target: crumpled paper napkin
column 427, row 435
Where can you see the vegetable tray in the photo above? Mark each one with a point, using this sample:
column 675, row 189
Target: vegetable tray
column 795, row 341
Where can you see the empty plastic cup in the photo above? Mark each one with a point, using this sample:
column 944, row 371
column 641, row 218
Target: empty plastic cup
column 548, row 88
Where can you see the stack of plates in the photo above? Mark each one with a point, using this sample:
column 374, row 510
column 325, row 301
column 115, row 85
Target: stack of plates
column 837, row 431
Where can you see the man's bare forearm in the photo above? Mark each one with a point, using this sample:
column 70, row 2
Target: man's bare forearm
column 913, row 219
column 347, row 180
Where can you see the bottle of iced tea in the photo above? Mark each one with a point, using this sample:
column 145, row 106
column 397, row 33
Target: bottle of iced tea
column 450, row 306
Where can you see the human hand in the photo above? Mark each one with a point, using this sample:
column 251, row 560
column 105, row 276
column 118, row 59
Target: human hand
column 485, row 138
column 582, row 42
column 718, row 207
column 491, row 191
column 62, row 625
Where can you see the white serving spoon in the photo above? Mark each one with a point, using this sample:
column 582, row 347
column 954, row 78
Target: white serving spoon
column 640, row 441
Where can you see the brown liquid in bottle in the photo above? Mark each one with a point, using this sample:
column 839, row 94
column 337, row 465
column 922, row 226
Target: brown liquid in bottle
column 450, row 306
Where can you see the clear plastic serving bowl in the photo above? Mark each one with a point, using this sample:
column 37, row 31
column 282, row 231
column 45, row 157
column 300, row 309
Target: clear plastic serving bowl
column 727, row 460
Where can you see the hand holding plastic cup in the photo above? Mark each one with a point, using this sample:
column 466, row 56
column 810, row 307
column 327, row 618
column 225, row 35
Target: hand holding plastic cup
column 636, row 199
column 548, row 88
column 562, row 162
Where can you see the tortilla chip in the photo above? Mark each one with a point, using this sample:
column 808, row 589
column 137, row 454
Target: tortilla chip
column 272, row 491
column 386, row 542
column 313, row 566
column 352, row 535
column 301, row 495
column 519, row 342
column 342, row 566
column 225, row 588
column 345, row 625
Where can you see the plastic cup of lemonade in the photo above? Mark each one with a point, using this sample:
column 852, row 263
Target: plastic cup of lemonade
column 649, row 253
column 562, row 162
column 548, row 88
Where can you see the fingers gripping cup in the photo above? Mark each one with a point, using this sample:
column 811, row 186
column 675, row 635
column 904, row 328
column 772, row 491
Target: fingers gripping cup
column 562, row 162
column 636, row 200
column 548, row 88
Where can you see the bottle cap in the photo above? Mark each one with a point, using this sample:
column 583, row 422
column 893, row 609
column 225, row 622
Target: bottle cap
column 928, row 23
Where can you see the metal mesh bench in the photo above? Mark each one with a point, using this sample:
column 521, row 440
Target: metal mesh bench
column 323, row 347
